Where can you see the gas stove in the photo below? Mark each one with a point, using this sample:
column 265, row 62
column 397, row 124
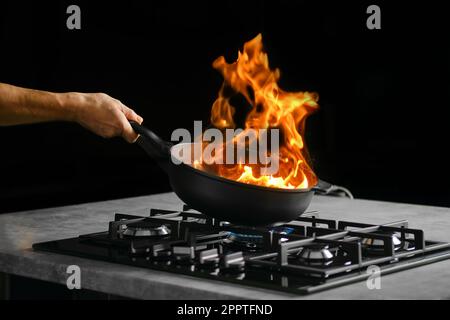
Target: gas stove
column 307, row 255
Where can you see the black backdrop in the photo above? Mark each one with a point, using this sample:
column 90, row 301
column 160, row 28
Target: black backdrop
column 382, row 129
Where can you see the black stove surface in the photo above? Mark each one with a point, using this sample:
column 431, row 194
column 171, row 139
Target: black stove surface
column 306, row 255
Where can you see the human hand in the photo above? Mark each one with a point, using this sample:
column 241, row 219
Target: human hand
column 104, row 115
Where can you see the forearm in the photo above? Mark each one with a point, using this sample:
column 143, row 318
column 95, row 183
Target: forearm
column 98, row 112
column 21, row 106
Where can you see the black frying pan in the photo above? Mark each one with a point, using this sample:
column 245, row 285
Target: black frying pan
column 225, row 199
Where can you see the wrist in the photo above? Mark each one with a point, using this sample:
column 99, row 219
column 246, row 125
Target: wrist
column 71, row 104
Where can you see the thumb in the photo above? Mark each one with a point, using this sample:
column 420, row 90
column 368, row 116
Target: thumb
column 131, row 115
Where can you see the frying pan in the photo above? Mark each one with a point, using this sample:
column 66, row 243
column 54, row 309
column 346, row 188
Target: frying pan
column 225, row 199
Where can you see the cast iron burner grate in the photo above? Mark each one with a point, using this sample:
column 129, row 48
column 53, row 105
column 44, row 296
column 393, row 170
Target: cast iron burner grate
column 304, row 256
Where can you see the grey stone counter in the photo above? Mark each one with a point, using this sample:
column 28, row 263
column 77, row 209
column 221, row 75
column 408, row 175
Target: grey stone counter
column 18, row 231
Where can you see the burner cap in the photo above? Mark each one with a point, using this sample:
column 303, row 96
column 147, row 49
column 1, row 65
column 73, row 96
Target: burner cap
column 145, row 229
column 377, row 244
column 315, row 253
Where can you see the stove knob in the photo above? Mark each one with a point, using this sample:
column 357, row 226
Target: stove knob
column 160, row 254
column 183, row 254
column 159, row 251
column 233, row 261
column 208, row 258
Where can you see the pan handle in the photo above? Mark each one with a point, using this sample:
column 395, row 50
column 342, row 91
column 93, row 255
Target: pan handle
column 327, row 188
column 153, row 145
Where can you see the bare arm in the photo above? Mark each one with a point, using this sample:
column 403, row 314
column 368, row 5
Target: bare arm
column 97, row 112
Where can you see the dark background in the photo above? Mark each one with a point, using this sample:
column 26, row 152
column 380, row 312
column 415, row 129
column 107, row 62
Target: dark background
column 382, row 129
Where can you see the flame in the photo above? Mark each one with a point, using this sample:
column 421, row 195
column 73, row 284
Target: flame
column 271, row 107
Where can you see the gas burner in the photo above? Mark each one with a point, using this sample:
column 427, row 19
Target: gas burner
column 247, row 241
column 253, row 240
column 316, row 254
column 282, row 230
column 145, row 229
column 372, row 245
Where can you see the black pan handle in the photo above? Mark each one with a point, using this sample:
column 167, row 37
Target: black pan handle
column 153, row 145
column 327, row 188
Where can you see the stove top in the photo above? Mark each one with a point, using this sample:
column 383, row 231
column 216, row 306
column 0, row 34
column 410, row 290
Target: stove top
column 304, row 256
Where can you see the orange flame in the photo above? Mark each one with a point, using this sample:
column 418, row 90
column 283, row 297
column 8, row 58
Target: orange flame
column 271, row 107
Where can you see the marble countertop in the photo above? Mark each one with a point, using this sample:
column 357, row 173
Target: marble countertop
column 18, row 231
